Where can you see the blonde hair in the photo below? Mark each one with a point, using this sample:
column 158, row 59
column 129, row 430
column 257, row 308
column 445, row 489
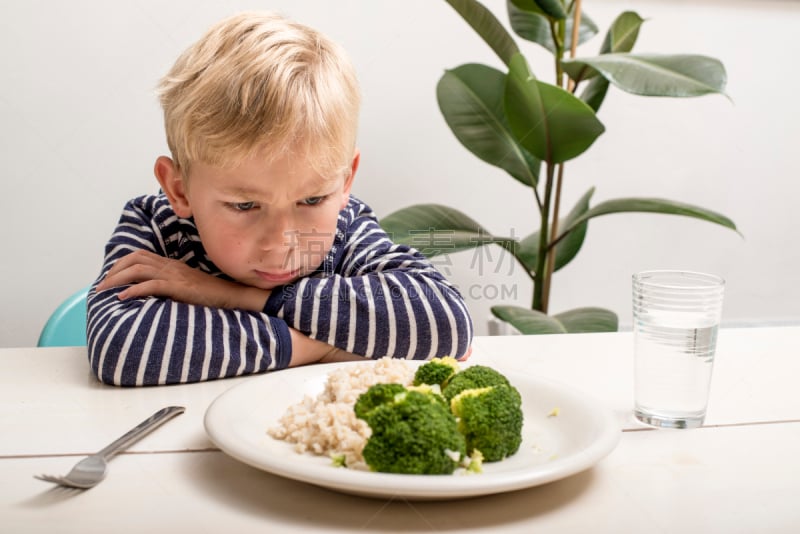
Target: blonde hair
column 257, row 82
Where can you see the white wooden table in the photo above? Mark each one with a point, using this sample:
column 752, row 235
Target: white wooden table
column 739, row 473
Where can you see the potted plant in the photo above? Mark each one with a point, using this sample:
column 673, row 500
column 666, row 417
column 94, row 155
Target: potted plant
column 530, row 128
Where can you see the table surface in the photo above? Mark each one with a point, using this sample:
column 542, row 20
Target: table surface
column 738, row 473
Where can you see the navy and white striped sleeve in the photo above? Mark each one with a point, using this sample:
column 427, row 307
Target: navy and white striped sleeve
column 379, row 299
column 150, row 341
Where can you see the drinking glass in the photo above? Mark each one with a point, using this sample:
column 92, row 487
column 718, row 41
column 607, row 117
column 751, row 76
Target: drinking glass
column 676, row 316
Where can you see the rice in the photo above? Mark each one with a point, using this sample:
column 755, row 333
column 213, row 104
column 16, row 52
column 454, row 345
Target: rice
column 326, row 424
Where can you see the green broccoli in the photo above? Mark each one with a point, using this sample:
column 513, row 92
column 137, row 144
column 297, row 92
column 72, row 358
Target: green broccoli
column 434, row 392
column 476, row 376
column 436, row 372
column 490, row 418
column 413, row 434
column 375, row 396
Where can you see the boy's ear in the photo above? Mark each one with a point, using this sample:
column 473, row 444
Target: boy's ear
column 348, row 181
column 171, row 180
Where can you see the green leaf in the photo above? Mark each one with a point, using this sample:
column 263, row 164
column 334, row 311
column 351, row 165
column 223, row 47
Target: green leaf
column 622, row 34
column 528, row 252
column 533, row 25
column 595, row 93
column 552, row 8
column 567, row 247
column 434, row 229
column 621, row 37
column 526, row 5
column 550, row 123
column 528, row 321
column 579, row 320
column 653, row 205
column 656, row 75
column 588, row 320
column 487, row 26
column 471, row 100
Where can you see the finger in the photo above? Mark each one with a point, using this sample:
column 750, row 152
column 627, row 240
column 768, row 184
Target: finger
column 156, row 287
column 137, row 257
column 132, row 268
column 133, row 274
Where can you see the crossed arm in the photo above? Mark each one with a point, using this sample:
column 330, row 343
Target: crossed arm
column 144, row 274
column 158, row 314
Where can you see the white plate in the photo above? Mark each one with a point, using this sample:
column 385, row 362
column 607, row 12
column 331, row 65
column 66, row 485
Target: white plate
column 553, row 447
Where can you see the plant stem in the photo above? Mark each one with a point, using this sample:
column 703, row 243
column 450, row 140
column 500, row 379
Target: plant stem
column 551, row 251
column 536, row 196
column 576, row 27
column 558, row 32
column 540, row 276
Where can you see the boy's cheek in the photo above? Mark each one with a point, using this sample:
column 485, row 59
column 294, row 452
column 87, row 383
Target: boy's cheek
column 345, row 200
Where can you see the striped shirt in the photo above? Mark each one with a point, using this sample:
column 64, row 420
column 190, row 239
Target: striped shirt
column 369, row 296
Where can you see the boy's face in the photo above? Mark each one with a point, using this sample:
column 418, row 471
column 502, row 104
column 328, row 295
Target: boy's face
column 263, row 224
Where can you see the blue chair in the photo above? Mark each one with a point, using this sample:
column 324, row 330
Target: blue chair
column 66, row 327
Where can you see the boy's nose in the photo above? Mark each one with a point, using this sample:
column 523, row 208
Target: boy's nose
column 277, row 233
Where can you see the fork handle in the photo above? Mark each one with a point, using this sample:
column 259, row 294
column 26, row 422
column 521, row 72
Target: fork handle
column 141, row 430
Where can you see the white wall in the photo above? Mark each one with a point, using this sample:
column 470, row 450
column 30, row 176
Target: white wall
column 81, row 129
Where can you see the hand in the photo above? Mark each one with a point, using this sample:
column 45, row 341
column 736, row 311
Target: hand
column 157, row 276
column 306, row 350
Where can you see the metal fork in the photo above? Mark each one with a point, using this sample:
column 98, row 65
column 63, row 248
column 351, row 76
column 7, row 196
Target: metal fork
column 91, row 470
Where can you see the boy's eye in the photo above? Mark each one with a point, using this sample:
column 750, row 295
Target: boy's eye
column 243, row 206
column 312, row 201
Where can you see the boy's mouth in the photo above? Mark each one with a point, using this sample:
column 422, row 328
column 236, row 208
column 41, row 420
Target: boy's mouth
column 278, row 277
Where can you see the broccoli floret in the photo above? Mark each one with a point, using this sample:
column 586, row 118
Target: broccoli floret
column 490, row 418
column 476, row 376
column 433, row 391
column 375, row 396
column 474, row 462
column 413, row 434
column 437, row 371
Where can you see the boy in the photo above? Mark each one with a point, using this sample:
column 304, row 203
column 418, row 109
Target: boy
column 255, row 257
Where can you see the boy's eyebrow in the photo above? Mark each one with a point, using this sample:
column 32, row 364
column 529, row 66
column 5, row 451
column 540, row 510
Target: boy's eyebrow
column 240, row 191
column 316, row 189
